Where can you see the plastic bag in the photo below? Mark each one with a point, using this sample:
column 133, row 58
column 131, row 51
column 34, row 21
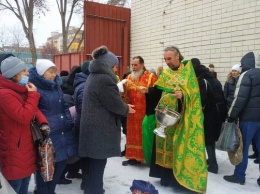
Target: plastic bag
column 143, row 187
column 5, row 186
column 228, row 139
column 46, row 159
column 237, row 157
column 120, row 85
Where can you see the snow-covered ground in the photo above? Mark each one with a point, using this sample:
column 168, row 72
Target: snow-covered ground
column 118, row 179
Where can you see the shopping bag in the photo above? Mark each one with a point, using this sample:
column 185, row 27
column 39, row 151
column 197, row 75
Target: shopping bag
column 5, row 186
column 228, row 139
column 143, row 187
column 46, row 159
column 237, row 157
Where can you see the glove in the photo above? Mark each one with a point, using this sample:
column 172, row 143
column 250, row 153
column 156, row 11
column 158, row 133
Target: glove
column 230, row 120
column 45, row 129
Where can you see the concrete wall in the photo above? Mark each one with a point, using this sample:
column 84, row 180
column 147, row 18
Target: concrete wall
column 218, row 32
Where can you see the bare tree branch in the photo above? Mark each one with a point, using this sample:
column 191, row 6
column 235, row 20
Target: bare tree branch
column 67, row 11
column 24, row 10
column 75, row 35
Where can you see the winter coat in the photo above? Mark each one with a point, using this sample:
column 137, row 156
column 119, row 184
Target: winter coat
column 246, row 104
column 102, row 108
column 210, row 88
column 17, row 150
column 67, row 81
column 79, row 83
column 229, row 90
column 55, row 109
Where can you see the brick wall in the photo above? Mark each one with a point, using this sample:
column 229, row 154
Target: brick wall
column 218, row 32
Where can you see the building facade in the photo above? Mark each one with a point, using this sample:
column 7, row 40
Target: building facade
column 217, row 32
column 56, row 39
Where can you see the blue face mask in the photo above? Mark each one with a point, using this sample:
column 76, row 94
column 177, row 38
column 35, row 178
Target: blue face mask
column 24, row 80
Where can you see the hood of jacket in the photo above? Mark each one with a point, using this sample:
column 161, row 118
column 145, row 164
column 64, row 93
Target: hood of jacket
column 250, row 60
column 202, row 71
column 99, row 67
column 71, row 76
column 41, row 82
column 79, row 78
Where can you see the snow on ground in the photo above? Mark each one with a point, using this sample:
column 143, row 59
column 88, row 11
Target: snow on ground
column 118, row 179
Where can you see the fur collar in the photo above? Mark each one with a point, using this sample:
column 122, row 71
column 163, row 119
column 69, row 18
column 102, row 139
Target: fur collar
column 41, row 82
column 98, row 67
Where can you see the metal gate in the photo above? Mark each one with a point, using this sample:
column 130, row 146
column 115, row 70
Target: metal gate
column 103, row 25
column 108, row 25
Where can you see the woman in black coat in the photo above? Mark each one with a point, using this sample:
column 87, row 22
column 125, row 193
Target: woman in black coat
column 211, row 94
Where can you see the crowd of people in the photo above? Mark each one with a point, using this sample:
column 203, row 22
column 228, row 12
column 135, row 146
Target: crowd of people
column 85, row 110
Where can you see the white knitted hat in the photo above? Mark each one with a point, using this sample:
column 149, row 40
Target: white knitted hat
column 42, row 65
column 237, row 67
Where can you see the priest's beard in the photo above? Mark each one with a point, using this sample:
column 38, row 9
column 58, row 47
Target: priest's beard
column 136, row 74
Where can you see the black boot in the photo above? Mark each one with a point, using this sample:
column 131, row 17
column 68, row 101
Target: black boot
column 256, row 161
column 233, row 179
column 253, row 156
column 63, row 180
column 212, row 161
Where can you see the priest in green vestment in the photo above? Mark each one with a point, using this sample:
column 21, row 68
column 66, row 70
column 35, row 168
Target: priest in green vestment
column 182, row 153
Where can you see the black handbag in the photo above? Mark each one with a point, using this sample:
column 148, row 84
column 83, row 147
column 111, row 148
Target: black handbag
column 36, row 131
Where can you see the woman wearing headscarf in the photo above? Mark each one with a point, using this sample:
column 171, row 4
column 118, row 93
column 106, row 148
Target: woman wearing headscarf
column 18, row 105
column 56, row 110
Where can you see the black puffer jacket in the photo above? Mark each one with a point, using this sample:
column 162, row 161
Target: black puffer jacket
column 246, row 104
column 229, row 89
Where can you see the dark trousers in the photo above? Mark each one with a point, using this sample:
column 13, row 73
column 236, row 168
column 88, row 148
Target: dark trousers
column 71, row 168
column 49, row 187
column 211, row 151
column 84, row 165
column 124, row 124
column 21, row 185
column 95, row 178
column 254, row 147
